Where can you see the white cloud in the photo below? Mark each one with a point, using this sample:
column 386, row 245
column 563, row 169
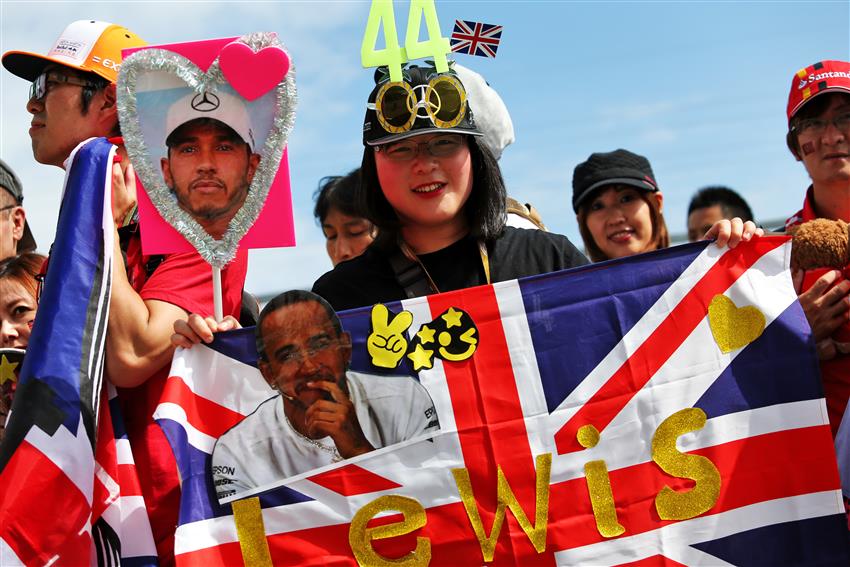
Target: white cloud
column 659, row 135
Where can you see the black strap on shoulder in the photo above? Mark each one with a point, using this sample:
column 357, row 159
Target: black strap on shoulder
column 409, row 274
column 250, row 312
column 125, row 234
column 153, row 263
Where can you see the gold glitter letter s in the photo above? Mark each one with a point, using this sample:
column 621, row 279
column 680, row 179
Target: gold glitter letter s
column 672, row 505
column 360, row 537
column 535, row 533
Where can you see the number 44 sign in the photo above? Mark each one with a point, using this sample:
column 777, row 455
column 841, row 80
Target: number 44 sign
column 393, row 55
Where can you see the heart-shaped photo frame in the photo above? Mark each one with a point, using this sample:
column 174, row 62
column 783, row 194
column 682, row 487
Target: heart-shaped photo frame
column 207, row 144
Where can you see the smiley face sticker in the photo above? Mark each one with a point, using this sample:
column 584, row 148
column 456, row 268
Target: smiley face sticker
column 452, row 337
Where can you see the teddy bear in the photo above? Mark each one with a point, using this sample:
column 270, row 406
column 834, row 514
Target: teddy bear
column 822, row 245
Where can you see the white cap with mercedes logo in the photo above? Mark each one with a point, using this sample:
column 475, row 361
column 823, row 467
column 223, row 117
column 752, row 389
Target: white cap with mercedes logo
column 224, row 107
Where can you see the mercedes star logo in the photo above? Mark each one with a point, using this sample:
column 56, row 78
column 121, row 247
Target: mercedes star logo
column 432, row 102
column 205, row 102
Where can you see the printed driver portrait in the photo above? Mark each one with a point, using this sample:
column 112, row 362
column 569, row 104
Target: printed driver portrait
column 323, row 412
column 210, row 159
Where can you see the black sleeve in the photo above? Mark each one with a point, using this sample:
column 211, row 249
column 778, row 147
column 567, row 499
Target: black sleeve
column 325, row 287
column 571, row 255
column 364, row 280
column 519, row 253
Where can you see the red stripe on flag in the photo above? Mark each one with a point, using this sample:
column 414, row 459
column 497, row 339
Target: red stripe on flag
column 463, row 37
column 36, row 531
column 105, row 456
column 648, row 358
column 204, row 415
column 654, row 561
column 490, row 423
column 752, row 470
column 221, row 554
column 351, row 480
column 800, row 457
column 128, row 479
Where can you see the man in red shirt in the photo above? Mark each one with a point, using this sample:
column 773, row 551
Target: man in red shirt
column 73, row 98
column 819, row 136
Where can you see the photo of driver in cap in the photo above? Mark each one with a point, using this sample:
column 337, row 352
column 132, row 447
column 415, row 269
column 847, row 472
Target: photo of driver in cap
column 210, row 161
column 323, row 412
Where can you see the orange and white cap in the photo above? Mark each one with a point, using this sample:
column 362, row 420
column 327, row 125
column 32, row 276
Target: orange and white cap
column 86, row 45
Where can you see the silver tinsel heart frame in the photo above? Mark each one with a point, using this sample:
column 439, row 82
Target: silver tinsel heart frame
column 217, row 252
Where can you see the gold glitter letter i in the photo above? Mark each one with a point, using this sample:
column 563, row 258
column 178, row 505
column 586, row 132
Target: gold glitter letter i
column 599, row 487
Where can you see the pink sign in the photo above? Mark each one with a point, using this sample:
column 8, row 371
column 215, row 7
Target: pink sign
column 243, row 86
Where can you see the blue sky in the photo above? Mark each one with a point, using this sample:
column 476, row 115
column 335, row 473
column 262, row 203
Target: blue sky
column 700, row 88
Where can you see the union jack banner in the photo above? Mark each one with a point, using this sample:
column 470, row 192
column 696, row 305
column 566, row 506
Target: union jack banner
column 68, row 489
column 475, row 38
column 660, row 410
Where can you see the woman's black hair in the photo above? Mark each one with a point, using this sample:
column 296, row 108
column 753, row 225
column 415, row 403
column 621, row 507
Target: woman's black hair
column 337, row 192
column 485, row 210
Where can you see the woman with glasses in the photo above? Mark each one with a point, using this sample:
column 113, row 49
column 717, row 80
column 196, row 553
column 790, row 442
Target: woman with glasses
column 347, row 233
column 18, row 305
column 435, row 194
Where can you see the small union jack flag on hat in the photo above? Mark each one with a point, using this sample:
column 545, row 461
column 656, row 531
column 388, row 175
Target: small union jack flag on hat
column 475, row 38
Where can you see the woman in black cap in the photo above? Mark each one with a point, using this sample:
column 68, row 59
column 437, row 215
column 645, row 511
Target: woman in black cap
column 618, row 206
column 436, row 195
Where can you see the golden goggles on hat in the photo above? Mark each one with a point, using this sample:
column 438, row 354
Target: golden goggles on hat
column 398, row 105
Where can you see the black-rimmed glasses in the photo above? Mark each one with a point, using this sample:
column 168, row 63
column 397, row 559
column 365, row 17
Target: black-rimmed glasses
column 817, row 126
column 443, row 145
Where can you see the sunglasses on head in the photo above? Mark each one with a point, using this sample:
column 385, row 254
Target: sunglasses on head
column 398, row 104
column 40, row 86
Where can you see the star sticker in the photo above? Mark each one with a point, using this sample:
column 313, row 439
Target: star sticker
column 426, row 334
column 452, row 318
column 421, row 358
column 7, row 370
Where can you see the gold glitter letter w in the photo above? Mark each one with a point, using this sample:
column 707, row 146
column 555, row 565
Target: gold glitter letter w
column 506, row 498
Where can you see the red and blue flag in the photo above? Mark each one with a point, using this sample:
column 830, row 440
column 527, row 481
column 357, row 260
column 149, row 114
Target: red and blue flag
column 475, row 38
column 66, row 473
column 621, row 346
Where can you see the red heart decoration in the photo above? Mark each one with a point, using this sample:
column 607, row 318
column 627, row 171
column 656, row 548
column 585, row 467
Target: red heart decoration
column 252, row 74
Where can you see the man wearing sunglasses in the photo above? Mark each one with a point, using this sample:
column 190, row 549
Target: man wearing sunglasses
column 15, row 234
column 73, row 98
column 819, row 136
column 323, row 412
